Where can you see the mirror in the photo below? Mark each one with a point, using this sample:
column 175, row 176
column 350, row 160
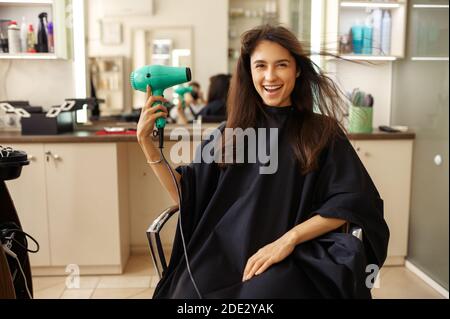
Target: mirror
column 171, row 46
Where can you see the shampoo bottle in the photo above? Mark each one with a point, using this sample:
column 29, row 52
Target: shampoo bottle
column 377, row 16
column 386, row 34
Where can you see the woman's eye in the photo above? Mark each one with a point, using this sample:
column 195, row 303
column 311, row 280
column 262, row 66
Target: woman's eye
column 283, row 65
column 259, row 66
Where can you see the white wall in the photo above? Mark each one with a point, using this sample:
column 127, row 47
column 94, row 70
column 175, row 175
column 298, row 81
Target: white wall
column 209, row 21
column 42, row 82
column 375, row 79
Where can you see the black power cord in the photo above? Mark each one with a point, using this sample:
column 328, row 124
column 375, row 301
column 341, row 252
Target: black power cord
column 7, row 233
column 160, row 132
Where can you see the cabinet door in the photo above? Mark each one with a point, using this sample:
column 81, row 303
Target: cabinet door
column 83, row 205
column 389, row 166
column 428, row 31
column 29, row 195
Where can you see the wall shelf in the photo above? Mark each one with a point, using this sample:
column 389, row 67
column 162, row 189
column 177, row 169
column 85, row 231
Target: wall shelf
column 58, row 13
column 29, row 56
column 342, row 16
column 429, row 58
column 25, row 2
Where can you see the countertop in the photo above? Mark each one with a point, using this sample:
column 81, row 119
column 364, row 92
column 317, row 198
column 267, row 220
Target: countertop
column 88, row 135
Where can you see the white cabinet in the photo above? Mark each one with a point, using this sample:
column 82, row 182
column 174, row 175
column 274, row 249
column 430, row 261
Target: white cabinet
column 389, row 163
column 59, row 13
column 74, row 199
column 342, row 15
column 29, row 196
column 428, row 30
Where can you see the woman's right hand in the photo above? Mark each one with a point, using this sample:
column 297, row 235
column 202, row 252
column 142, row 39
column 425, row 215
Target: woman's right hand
column 149, row 115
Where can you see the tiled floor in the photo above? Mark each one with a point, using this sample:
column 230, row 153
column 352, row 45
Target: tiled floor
column 139, row 281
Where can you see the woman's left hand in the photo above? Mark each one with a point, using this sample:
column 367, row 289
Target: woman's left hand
column 267, row 256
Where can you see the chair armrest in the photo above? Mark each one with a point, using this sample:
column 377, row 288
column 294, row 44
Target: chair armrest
column 159, row 222
column 354, row 230
column 158, row 257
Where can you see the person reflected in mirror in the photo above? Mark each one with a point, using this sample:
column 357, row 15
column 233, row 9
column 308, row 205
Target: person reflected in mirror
column 194, row 103
column 215, row 109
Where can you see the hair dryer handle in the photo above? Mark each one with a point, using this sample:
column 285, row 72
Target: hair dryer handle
column 160, row 122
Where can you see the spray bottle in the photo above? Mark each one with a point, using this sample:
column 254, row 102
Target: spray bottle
column 42, row 40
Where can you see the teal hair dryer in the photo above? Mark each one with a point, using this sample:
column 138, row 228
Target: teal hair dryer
column 159, row 77
column 181, row 91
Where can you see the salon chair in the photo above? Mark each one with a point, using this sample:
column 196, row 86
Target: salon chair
column 14, row 284
column 156, row 247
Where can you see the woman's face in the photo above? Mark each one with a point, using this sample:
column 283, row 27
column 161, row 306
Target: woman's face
column 273, row 73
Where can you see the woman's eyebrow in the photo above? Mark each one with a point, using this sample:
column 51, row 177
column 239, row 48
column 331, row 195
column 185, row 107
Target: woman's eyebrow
column 278, row 61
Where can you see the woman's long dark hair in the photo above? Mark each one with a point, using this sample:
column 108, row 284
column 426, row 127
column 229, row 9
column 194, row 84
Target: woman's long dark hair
column 309, row 133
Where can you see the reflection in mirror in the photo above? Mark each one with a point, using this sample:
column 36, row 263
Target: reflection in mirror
column 107, row 83
column 172, row 46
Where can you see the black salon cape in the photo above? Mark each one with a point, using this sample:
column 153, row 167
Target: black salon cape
column 227, row 215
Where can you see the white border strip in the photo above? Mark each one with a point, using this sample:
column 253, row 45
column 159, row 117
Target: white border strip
column 430, row 6
column 433, row 284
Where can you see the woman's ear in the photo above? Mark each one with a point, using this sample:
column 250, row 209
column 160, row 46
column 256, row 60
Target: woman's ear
column 298, row 74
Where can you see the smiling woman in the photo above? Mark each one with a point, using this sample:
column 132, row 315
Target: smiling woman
column 244, row 234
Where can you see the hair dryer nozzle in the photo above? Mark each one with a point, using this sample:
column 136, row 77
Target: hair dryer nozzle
column 188, row 74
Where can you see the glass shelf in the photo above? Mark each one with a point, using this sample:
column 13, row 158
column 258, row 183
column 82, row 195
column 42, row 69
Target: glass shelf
column 361, row 57
column 381, row 5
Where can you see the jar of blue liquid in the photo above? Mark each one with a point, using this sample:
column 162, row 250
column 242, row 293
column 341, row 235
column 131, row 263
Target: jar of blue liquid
column 357, row 38
column 367, row 40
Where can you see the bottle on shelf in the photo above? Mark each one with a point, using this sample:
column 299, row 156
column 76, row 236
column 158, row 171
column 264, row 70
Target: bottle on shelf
column 357, row 37
column 23, row 35
column 31, row 40
column 367, row 36
column 51, row 44
column 13, row 38
column 386, row 33
column 42, row 40
column 377, row 16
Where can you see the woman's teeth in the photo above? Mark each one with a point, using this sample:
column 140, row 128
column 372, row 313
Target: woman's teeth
column 272, row 88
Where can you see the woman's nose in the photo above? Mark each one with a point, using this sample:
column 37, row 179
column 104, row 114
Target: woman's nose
column 270, row 74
